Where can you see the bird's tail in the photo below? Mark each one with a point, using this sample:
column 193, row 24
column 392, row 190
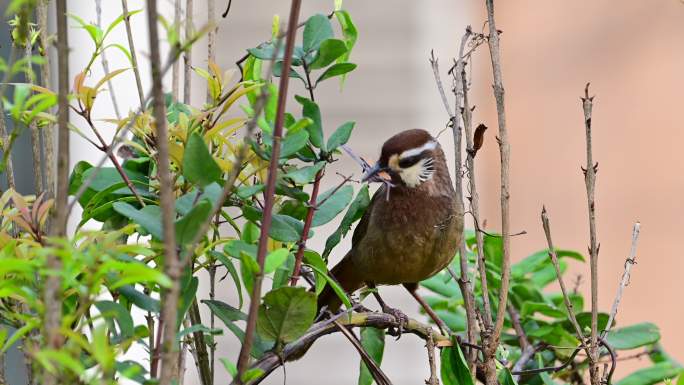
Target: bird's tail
column 346, row 274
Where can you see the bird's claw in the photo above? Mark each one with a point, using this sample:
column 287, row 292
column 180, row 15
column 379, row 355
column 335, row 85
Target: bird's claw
column 401, row 318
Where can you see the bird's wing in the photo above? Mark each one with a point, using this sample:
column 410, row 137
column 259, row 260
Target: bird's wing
column 360, row 230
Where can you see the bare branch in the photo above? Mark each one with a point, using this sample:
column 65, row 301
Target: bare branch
column 590, row 182
column 311, row 210
column 438, row 79
column 629, row 262
column 53, row 284
column 134, row 58
column 559, row 275
column 175, row 72
column 172, row 266
column 105, row 62
column 270, row 191
column 187, row 55
column 434, row 379
column 211, row 37
column 45, row 77
column 378, row 375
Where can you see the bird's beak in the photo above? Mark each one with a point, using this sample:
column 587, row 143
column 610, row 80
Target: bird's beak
column 375, row 174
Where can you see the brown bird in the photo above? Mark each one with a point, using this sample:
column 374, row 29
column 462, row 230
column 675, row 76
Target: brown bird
column 410, row 231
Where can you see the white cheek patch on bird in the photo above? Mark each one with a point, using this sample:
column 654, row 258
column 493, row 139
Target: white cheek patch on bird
column 418, row 173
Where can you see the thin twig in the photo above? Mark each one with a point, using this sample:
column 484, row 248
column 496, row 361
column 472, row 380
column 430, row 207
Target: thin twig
column 45, row 78
column 134, row 58
column 629, row 262
column 434, row 63
column 53, row 284
column 105, row 62
column 172, row 266
column 269, row 194
column 211, row 36
column 311, row 210
column 559, row 275
column 175, row 72
column 433, row 380
column 33, row 126
column 187, row 55
column 202, row 357
column 378, row 375
column 590, row 182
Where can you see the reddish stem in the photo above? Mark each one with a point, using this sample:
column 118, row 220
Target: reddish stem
column 307, row 226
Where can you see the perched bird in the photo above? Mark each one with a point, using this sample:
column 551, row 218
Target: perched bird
column 410, row 231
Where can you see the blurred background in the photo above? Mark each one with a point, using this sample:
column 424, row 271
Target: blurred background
column 630, row 51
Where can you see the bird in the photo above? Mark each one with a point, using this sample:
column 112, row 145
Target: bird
column 411, row 229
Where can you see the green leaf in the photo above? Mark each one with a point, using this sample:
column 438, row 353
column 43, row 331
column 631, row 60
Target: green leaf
column 187, row 202
column 188, row 292
column 149, row 217
column 373, row 341
column 332, row 204
column 505, row 377
column 286, row 314
column 340, row 136
column 529, row 308
column 230, row 367
column 353, row 214
column 228, row 264
column 245, row 192
column 540, row 259
column 651, row 375
column 336, row 69
column 282, row 275
column 286, row 229
column 292, row 143
column 311, row 110
column 349, row 32
column 199, row 166
column 278, row 71
column 112, row 312
column 339, row 291
column 454, row 368
column 312, row 258
column 139, row 299
column 316, row 30
column 252, row 374
column 329, row 50
column 305, row 175
column 188, row 226
column 275, row 259
column 633, row 336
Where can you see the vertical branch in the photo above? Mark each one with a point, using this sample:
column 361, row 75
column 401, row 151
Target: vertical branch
column 211, row 36
column 172, row 267
column 175, row 72
column 269, row 195
column 631, row 260
column 52, row 295
column 433, row 380
column 590, row 182
column 559, row 276
column 307, row 226
column 187, row 56
column 134, row 58
column 33, row 126
column 505, row 154
column 105, row 62
column 48, row 133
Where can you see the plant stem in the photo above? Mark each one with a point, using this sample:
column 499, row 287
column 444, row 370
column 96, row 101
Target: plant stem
column 172, row 266
column 203, row 359
column 105, row 62
column 187, row 56
column 629, row 262
column 505, row 154
column 211, row 36
column 52, row 295
column 269, row 195
column 45, row 78
column 33, row 127
column 590, row 182
column 307, row 226
column 175, row 72
column 134, row 59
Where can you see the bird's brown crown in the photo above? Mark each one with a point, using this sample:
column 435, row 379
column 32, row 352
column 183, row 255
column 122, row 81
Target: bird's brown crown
column 404, row 141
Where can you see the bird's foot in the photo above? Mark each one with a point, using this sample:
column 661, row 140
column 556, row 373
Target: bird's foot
column 401, row 318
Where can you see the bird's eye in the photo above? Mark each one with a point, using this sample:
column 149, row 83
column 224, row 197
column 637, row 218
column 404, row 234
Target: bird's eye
column 410, row 161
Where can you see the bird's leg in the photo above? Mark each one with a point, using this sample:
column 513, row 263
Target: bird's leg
column 413, row 289
column 396, row 313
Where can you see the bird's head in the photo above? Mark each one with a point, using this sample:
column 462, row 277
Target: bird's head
column 409, row 158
